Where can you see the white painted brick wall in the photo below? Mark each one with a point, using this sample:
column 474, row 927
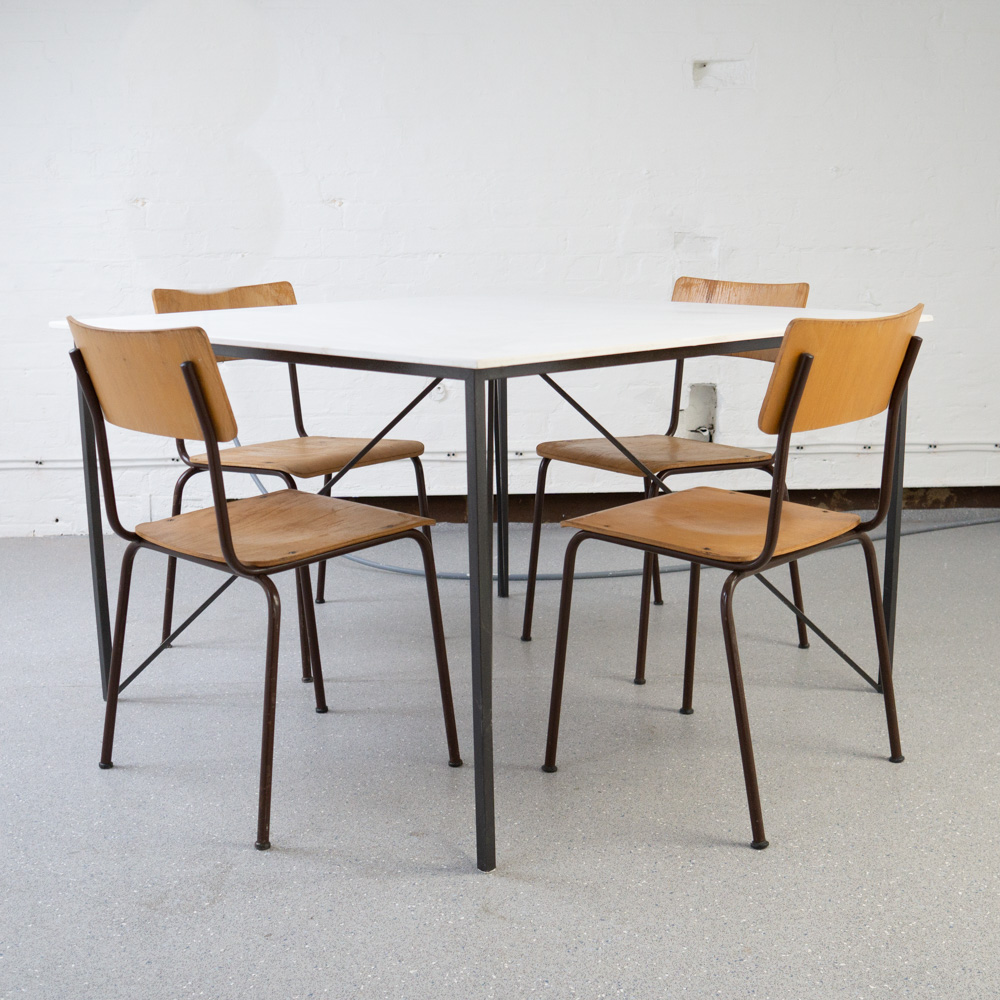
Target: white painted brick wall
column 394, row 147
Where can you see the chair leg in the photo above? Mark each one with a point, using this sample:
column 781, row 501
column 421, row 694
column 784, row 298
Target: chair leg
column 884, row 656
column 321, row 583
column 440, row 651
column 536, row 533
column 562, row 639
column 657, row 587
column 263, row 841
column 321, row 571
column 168, row 596
column 305, row 590
column 117, row 649
column 306, row 654
column 640, row 652
column 793, row 569
column 422, row 505
column 759, row 841
column 692, row 639
column 651, row 491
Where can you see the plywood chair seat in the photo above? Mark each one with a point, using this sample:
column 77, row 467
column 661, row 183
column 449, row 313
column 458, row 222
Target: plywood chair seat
column 278, row 528
column 306, row 457
column 167, row 383
column 827, row 373
column 665, row 454
column 716, row 524
column 658, row 452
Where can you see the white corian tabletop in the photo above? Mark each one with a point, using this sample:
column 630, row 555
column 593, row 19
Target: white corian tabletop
column 476, row 333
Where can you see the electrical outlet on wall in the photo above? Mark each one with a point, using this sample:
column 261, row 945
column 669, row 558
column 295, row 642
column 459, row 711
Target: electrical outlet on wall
column 697, row 419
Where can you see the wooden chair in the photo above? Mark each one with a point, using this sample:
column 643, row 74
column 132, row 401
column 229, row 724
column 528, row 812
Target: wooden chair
column 167, row 383
column 828, row 372
column 665, row 454
column 304, row 456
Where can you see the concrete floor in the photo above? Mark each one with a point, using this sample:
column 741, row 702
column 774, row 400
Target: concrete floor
column 626, row 874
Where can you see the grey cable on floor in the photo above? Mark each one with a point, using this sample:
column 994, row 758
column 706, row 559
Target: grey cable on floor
column 614, row 573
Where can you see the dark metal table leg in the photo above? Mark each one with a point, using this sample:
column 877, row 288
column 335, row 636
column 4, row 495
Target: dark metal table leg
column 893, row 526
column 503, row 505
column 95, row 530
column 480, row 515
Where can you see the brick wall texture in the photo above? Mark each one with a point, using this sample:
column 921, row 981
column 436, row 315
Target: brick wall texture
column 394, row 148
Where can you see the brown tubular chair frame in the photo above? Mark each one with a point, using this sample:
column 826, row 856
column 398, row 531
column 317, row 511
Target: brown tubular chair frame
column 693, row 290
column 741, row 571
column 259, row 575
column 168, row 300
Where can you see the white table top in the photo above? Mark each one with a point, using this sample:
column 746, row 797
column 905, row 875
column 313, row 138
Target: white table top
column 476, row 333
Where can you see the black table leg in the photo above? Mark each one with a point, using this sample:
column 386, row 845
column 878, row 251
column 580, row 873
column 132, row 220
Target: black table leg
column 503, row 505
column 890, row 579
column 480, row 515
column 95, row 530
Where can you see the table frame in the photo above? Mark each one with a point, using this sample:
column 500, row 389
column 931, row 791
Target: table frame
column 477, row 383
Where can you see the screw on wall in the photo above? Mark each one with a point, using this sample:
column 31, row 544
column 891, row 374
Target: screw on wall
column 725, row 74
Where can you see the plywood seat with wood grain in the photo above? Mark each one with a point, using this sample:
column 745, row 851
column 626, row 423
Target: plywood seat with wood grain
column 303, row 457
column 716, row 524
column 278, row 528
column 167, row 383
column 306, row 457
column 665, row 454
column 827, row 373
column 658, row 452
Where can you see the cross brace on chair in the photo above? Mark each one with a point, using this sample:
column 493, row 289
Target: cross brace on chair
column 325, row 491
column 650, row 568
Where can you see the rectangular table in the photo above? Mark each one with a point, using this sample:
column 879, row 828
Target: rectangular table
column 477, row 341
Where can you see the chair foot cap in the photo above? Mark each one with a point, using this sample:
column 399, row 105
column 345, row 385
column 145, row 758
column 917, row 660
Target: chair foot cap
column 803, row 645
column 105, row 767
column 549, row 768
column 895, row 760
column 323, row 710
column 263, row 845
column 455, row 763
column 321, row 600
column 659, row 604
column 639, row 680
column 525, row 638
column 307, row 680
column 686, row 711
column 758, row 845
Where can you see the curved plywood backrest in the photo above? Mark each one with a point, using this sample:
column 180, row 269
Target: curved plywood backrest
column 856, row 363
column 742, row 293
column 140, row 385
column 276, row 293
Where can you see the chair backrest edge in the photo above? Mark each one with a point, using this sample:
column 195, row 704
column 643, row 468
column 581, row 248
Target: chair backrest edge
column 273, row 293
column 139, row 383
column 746, row 293
column 853, row 375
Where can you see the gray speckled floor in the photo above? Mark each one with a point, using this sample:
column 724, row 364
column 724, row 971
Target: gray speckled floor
column 626, row 874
